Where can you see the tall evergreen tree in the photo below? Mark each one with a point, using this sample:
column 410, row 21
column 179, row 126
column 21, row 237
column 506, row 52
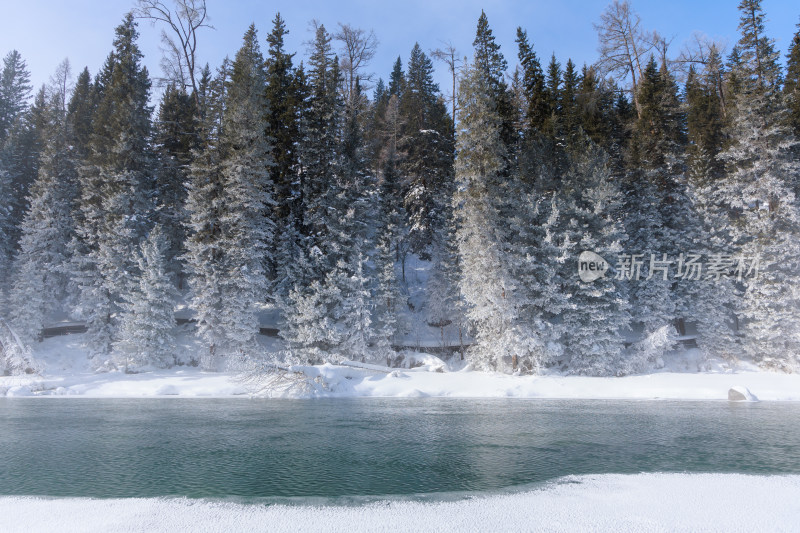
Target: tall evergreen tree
column 116, row 184
column 569, row 118
column 40, row 280
column 284, row 96
column 176, row 138
column 426, row 153
column 492, row 65
column 553, row 86
column 147, row 336
column 308, row 311
column 397, row 79
column 598, row 312
column 15, row 90
column 489, row 289
column 537, row 109
column 791, row 86
column 20, row 153
column 757, row 197
column 759, row 57
column 320, row 133
column 229, row 281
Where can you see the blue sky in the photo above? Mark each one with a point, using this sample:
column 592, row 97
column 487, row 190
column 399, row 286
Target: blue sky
column 47, row 31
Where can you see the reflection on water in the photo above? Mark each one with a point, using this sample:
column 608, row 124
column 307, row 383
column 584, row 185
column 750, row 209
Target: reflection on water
column 332, row 448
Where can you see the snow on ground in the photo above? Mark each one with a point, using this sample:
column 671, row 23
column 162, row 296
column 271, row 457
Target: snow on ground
column 609, row 502
column 68, row 372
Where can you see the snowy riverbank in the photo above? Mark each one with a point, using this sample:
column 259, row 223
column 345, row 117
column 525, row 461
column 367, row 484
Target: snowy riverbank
column 644, row 502
column 350, row 382
column 68, row 373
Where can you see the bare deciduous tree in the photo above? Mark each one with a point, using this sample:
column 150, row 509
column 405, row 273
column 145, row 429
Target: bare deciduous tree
column 623, row 45
column 702, row 51
column 180, row 44
column 449, row 55
column 358, row 49
column 61, row 83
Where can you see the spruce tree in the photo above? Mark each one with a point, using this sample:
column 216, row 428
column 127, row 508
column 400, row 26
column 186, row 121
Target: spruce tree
column 21, row 152
column 284, row 95
column 116, row 184
column 569, row 118
column 492, row 65
column 318, row 149
column 757, row 196
column 40, row 279
column 230, row 284
column 146, row 333
column 176, row 138
column 397, row 80
column 553, row 88
column 486, row 282
column 309, row 312
column 791, row 86
column 659, row 214
column 426, row 149
column 15, row 90
column 537, row 109
column 598, row 313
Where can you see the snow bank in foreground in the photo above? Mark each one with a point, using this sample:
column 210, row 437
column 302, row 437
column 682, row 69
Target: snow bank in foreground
column 645, row 502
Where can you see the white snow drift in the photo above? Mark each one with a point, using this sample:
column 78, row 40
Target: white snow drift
column 611, row 502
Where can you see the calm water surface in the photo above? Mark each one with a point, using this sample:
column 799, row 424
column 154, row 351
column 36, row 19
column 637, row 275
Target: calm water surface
column 363, row 447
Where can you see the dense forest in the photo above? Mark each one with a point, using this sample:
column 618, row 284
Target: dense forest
column 303, row 186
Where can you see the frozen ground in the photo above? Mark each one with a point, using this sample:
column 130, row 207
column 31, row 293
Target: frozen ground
column 610, row 502
column 67, row 372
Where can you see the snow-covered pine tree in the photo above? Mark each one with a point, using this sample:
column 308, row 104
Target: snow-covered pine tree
column 791, row 85
column 230, row 281
column 389, row 238
column 594, row 322
column 116, row 182
column 319, row 149
column 351, row 235
column 489, row 59
column 329, row 184
column 713, row 305
column 146, row 333
column 308, row 329
column 6, row 228
column 284, row 98
column 292, row 263
column 203, row 247
column 176, row 137
column 486, row 282
column 758, row 196
column 21, row 152
column 426, row 153
column 15, row 356
column 15, row 89
column 40, row 276
column 356, row 311
column 80, row 110
column 659, row 216
column 534, row 255
column 19, row 142
column 712, row 299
